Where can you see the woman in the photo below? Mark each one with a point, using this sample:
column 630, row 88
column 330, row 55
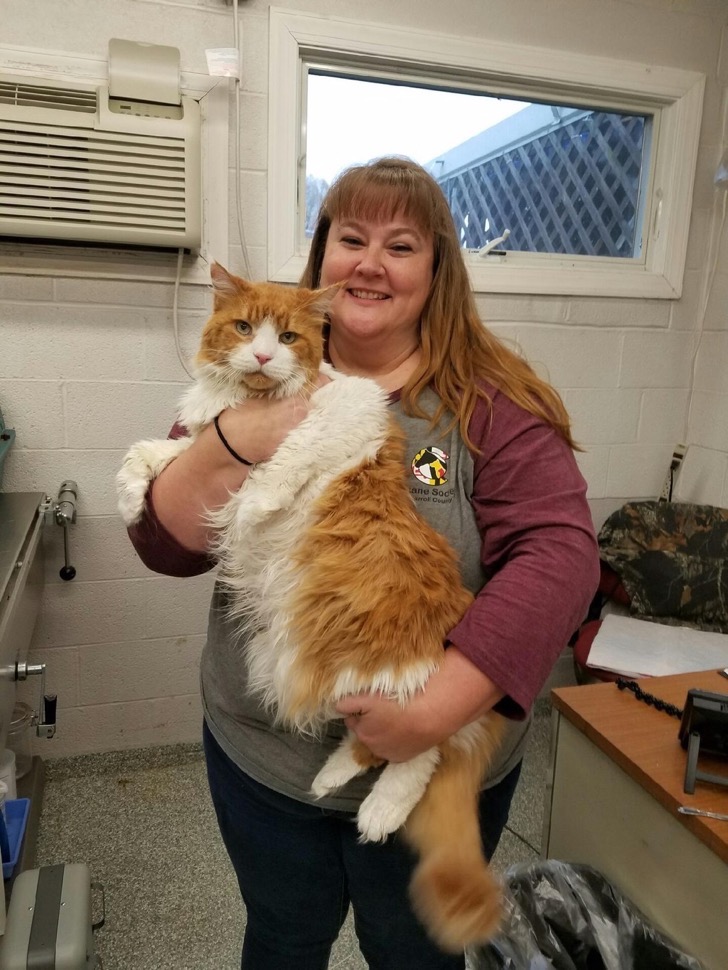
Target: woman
column 492, row 468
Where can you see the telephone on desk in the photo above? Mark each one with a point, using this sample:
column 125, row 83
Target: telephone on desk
column 704, row 729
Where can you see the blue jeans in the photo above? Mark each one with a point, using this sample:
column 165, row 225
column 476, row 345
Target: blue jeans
column 299, row 867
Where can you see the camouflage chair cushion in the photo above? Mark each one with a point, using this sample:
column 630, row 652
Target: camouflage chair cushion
column 672, row 559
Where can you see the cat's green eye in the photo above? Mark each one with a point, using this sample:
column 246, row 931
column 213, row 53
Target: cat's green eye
column 288, row 337
column 242, row 326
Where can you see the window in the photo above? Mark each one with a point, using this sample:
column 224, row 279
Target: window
column 586, row 167
column 559, row 179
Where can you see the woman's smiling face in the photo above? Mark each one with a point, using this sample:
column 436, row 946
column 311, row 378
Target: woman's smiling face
column 388, row 268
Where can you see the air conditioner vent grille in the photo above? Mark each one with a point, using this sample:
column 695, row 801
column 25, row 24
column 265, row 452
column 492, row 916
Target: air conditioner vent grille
column 77, row 168
column 79, row 176
column 39, row 96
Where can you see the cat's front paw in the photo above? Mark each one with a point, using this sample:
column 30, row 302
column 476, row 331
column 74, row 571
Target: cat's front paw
column 132, row 496
column 132, row 484
column 142, row 463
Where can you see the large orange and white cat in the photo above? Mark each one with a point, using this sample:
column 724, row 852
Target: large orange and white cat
column 343, row 586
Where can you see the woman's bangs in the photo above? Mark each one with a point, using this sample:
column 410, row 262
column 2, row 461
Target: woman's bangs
column 372, row 200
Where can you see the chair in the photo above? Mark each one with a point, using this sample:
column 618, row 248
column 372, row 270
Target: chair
column 665, row 562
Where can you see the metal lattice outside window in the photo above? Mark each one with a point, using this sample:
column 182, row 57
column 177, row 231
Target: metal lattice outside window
column 574, row 190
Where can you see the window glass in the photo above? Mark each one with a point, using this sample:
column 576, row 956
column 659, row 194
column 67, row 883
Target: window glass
column 553, row 178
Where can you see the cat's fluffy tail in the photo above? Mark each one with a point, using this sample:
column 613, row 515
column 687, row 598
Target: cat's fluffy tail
column 454, row 892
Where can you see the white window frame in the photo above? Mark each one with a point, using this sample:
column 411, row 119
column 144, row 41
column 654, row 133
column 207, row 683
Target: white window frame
column 672, row 95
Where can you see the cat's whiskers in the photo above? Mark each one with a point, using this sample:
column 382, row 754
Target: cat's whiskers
column 309, row 387
column 291, row 385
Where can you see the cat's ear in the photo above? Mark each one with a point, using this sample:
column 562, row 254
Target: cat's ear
column 321, row 300
column 224, row 284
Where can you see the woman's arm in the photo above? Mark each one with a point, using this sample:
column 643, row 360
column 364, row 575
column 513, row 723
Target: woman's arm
column 172, row 536
column 457, row 694
column 538, row 548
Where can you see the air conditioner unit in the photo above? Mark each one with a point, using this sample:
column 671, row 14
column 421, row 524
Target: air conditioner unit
column 78, row 164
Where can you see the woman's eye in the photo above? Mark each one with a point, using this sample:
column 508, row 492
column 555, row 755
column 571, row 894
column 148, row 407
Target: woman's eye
column 242, row 326
column 351, row 241
column 402, row 248
column 288, row 337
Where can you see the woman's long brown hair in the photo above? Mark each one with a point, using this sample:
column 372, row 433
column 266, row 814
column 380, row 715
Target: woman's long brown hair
column 459, row 353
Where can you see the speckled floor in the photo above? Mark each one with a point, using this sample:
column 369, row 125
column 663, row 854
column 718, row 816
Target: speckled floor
column 143, row 823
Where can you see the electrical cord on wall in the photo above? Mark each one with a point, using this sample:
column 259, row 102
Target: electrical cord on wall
column 238, row 201
column 712, row 262
column 238, row 81
column 703, row 308
column 175, row 314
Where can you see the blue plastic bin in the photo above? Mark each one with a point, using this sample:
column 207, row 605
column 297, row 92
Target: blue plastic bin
column 16, row 815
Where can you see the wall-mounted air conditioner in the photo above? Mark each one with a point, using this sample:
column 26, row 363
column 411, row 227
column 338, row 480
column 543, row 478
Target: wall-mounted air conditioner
column 79, row 163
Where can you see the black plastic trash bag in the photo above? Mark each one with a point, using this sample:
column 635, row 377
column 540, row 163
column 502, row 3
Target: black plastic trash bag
column 568, row 917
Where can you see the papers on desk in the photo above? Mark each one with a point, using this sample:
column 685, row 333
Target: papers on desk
column 638, row 648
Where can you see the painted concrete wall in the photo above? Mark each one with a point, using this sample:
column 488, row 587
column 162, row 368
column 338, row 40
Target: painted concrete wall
column 88, row 366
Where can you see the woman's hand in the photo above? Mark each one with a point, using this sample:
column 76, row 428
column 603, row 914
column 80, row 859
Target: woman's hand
column 389, row 729
column 457, row 694
column 257, row 426
column 202, row 478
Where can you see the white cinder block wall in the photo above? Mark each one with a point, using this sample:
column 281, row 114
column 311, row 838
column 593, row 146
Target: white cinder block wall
column 88, row 366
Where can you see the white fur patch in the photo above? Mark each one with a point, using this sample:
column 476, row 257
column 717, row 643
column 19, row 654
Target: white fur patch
column 340, row 768
column 142, row 463
column 216, row 388
column 395, row 793
column 470, row 737
column 402, row 686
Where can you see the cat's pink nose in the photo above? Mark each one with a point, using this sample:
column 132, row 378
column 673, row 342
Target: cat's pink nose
column 262, row 358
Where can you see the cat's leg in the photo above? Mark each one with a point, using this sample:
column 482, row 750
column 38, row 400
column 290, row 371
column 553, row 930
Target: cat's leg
column 205, row 399
column 350, row 759
column 142, row 463
column 395, row 793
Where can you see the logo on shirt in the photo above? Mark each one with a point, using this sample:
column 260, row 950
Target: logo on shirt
column 430, row 466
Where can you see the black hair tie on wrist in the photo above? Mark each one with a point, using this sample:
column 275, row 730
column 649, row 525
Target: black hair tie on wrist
column 221, row 436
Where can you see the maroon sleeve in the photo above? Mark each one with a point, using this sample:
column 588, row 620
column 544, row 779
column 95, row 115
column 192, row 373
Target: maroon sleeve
column 538, row 549
column 157, row 548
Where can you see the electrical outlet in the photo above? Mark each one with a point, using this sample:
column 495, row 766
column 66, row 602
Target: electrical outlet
column 721, row 176
column 675, row 462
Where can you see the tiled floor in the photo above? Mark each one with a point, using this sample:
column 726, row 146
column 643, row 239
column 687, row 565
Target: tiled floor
column 143, row 823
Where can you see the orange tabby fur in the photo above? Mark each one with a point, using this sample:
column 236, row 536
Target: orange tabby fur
column 380, row 589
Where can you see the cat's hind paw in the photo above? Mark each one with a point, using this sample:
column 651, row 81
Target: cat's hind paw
column 339, row 769
column 379, row 817
column 395, row 793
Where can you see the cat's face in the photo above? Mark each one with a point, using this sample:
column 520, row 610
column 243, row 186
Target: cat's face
column 263, row 335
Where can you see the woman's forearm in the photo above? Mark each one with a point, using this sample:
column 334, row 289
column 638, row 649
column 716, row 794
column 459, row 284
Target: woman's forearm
column 457, row 694
column 203, row 477
column 200, row 480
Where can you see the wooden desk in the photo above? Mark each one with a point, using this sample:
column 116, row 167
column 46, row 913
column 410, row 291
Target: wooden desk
column 616, row 782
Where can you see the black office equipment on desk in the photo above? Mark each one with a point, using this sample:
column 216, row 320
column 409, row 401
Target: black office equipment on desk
column 704, row 730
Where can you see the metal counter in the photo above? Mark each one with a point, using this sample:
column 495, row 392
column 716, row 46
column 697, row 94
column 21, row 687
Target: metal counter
column 21, row 587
